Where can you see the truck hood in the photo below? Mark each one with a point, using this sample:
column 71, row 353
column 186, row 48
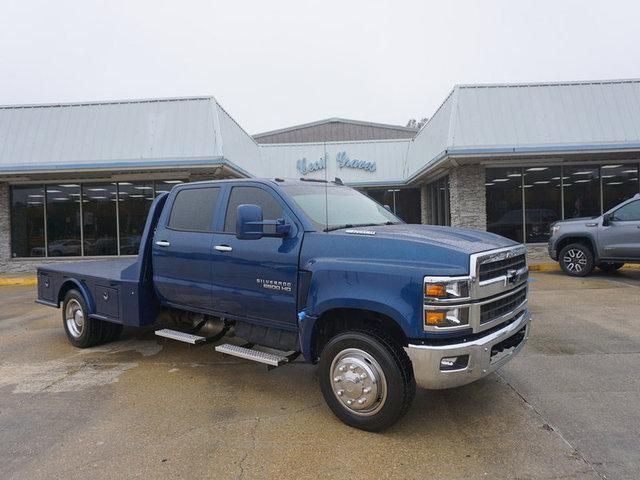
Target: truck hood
column 575, row 221
column 459, row 239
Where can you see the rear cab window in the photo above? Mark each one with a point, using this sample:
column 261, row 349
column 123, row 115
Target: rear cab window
column 193, row 209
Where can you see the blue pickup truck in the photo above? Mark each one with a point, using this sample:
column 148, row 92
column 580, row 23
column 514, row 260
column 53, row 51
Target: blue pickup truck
column 287, row 267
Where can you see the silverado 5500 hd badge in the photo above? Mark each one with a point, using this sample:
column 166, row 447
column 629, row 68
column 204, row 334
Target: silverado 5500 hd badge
column 276, row 285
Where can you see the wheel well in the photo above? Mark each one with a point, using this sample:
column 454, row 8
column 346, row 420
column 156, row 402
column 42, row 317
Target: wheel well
column 582, row 240
column 64, row 289
column 340, row 320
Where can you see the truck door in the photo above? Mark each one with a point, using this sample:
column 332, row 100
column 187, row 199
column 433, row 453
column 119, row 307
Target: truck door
column 621, row 238
column 256, row 278
column 182, row 253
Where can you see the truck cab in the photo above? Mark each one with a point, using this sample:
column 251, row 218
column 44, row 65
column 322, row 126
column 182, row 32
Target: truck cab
column 312, row 268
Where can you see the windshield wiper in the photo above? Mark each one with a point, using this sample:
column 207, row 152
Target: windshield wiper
column 352, row 225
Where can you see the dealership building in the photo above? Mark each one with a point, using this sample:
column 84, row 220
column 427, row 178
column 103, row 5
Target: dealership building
column 76, row 180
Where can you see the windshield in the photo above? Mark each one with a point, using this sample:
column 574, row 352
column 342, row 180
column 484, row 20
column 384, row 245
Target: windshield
column 331, row 207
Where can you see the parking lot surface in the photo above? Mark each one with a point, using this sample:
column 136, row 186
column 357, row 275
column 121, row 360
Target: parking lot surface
column 567, row 407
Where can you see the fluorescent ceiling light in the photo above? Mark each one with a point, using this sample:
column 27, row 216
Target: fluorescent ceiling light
column 98, row 198
column 581, row 181
column 500, row 180
column 614, row 183
column 537, row 169
column 124, row 183
column 630, row 171
column 167, row 191
column 514, row 175
column 490, row 183
column 60, row 199
column 608, row 176
column 611, row 166
column 566, row 184
column 69, row 185
column 143, row 188
column 36, row 196
column 180, row 181
column 540, row 182
column 136, row 196
column 53, row 191
column 97, row 189
column 34, row 203
column 584, row 172
column 528, row 186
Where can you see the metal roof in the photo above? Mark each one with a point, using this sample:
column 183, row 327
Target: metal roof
column 173, row 131
column 532, row 117
column 335, row 129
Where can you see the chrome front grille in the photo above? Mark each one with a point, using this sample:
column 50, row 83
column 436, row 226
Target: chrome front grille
column 497, row 292
column 498, row 268
column 502, row 306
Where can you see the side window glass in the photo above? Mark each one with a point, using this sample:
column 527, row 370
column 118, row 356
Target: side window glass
column 271, row 208
column 193, row 209
column 629, row 213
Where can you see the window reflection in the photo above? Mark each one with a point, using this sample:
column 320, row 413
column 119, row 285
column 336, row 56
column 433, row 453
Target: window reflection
column 135, row 201
column 404, row 202
column 542, row 199
column 504, row 202
column 63, row 220
column 27, row 221
column 581, row 191
column 99, row 219
column 619, row 183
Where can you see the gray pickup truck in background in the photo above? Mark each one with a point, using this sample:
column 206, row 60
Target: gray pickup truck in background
column 607, row 242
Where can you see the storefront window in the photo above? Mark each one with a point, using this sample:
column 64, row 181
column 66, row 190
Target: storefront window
column 619, row 183
column 404, row 202
column 581, row 191
column 27, row 221
column 542, row 199
column 99, row 219
column 504, row 202
column 63, row 220
column 135, row 200
column 438, row 212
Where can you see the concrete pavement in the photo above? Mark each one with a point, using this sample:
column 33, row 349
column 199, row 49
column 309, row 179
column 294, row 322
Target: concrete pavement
column 567, row 407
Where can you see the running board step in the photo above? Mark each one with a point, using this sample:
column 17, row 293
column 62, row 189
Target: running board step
column 181, row 336
column 255, row 355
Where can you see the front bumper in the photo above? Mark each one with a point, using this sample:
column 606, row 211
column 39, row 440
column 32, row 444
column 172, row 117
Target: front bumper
column 426, row 359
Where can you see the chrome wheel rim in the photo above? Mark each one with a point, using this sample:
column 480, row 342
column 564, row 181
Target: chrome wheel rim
column 575, row 260
column 358, row 382
column 74, row 318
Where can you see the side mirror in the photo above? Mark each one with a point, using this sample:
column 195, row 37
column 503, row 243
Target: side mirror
column 606, row 219
column 249, row 222
column 250, row 225
column 388, row 207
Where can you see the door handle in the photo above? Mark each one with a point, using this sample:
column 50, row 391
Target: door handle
column 163, row 243
column 223, row 248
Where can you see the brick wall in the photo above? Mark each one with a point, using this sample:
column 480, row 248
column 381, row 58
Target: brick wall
column 467, row 197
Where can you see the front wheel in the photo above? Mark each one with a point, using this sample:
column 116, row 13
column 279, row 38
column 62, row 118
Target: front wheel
column 576, row 260
column 366, row 379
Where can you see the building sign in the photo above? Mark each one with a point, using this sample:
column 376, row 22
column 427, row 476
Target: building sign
column 342, row 160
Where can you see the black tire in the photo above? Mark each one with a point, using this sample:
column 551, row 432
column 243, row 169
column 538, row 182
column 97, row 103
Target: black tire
column 388, row 357
column 576, row 260
column 110, row 332
column 610, row 266
column 84, row 332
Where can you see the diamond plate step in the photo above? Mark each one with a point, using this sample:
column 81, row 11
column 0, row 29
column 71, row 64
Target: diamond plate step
column 180, row 336
column 255, row 355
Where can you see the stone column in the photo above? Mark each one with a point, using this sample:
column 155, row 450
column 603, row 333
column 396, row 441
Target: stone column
column 424, row 205
column 5, row 228
column 467, row 197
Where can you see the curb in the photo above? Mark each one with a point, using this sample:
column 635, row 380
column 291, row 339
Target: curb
column 13, row 281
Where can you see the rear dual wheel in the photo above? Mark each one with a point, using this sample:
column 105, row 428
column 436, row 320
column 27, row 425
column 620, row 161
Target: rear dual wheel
column 366, row 379
column 83, row 331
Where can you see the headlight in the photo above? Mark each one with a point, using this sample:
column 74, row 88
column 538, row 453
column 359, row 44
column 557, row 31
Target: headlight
column 446, row 289
column 555, row 229
column 437, row 318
